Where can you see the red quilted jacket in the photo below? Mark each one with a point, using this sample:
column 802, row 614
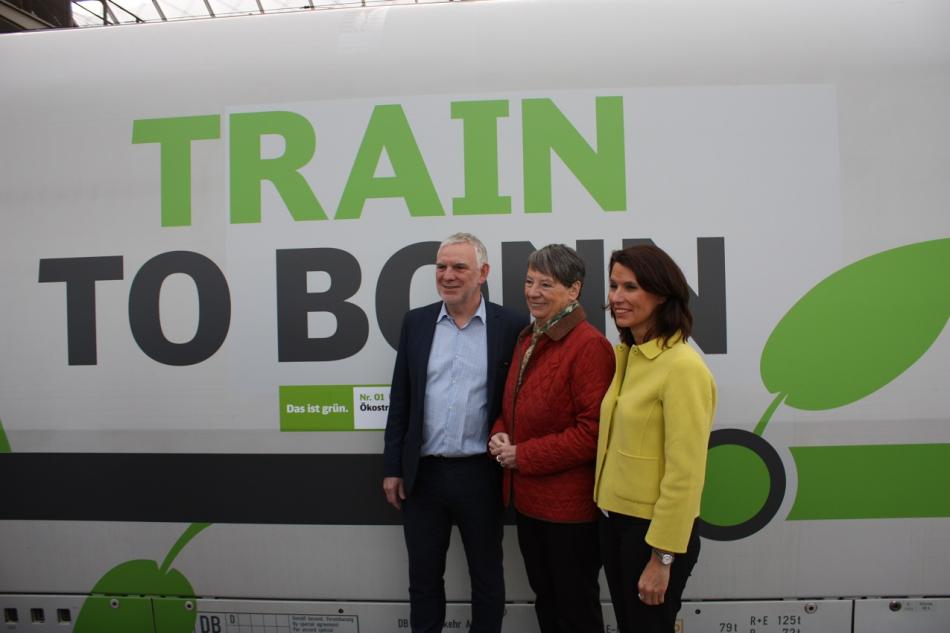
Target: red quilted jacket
column 553, row 420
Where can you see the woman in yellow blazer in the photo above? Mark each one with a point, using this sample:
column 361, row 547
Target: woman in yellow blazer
column 654, row 430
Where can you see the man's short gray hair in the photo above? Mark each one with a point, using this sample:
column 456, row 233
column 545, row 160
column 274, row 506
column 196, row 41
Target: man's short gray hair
column 558, row 261
column 481, row 253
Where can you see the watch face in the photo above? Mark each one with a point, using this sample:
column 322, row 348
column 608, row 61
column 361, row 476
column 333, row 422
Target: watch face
column 665, row 557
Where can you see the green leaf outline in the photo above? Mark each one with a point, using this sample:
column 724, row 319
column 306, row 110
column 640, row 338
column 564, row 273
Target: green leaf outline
column 141, row 578
column 930, row 258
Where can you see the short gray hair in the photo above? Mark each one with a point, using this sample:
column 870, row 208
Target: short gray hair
column 559, row 261
column 481, row 253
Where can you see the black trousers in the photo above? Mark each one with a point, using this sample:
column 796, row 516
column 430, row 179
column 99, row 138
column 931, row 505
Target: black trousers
column 465, row 492
column 625, row 553
column 562, row 561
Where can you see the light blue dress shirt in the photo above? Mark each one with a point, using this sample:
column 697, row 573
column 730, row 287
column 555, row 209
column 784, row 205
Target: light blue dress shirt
column 456, row 402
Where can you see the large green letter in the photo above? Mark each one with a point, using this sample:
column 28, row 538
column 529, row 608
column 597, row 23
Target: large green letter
column 601, row 171
column 480, row 130
column 388, row 129
column 248, row 169
column 174, row 136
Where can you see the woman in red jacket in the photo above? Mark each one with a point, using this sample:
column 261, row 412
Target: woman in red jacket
column 546, row 440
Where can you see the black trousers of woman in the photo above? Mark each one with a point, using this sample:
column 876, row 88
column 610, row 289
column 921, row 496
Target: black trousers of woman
column 625, row 554
column 562, row 561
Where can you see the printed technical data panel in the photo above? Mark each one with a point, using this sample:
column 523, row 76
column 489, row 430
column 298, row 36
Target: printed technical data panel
column 910, row 615
column 280, row 616
column 62, row 613
column 766, row 616
column 242, row 622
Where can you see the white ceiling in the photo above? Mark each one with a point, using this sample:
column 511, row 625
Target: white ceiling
column 98, row 13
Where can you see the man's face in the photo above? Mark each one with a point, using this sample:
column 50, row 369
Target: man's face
column 458, row 278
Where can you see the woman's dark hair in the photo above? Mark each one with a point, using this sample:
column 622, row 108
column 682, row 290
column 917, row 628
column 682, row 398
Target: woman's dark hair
column 657, row 273
column 559, row 261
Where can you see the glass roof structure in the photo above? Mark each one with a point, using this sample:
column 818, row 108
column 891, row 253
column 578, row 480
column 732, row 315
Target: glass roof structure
column 108, row 12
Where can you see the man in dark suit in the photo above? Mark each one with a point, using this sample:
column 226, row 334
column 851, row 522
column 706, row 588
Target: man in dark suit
column 446, row 392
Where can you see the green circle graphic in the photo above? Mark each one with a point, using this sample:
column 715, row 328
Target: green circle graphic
column 737, row 485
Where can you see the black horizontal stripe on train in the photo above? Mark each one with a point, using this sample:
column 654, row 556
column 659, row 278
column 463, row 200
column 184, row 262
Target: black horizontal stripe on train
column 328, row 489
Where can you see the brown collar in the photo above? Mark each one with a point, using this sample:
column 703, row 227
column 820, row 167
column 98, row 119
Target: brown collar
column 563, row 327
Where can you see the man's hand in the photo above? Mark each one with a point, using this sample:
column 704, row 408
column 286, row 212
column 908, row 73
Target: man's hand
column 395, row 492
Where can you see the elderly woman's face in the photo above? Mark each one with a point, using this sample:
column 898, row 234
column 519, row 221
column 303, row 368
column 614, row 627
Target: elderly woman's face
column 546, row 296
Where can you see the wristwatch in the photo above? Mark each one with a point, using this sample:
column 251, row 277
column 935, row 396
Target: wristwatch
column 666, row 559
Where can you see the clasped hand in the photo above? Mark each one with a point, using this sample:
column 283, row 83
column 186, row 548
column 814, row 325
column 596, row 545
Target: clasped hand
column 504, row 452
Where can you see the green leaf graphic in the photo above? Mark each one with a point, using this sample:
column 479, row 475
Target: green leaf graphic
column 105, row 614
column 132, row 578
column 4, row 442
column 143, row 578
column 860, row 328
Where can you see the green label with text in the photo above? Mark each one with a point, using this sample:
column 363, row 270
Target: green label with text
column 333, row 407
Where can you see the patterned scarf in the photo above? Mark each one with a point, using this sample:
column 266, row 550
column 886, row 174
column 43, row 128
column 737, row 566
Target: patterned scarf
column 537, row 331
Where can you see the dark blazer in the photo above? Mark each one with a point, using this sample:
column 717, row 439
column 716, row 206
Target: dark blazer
column 403, row 436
